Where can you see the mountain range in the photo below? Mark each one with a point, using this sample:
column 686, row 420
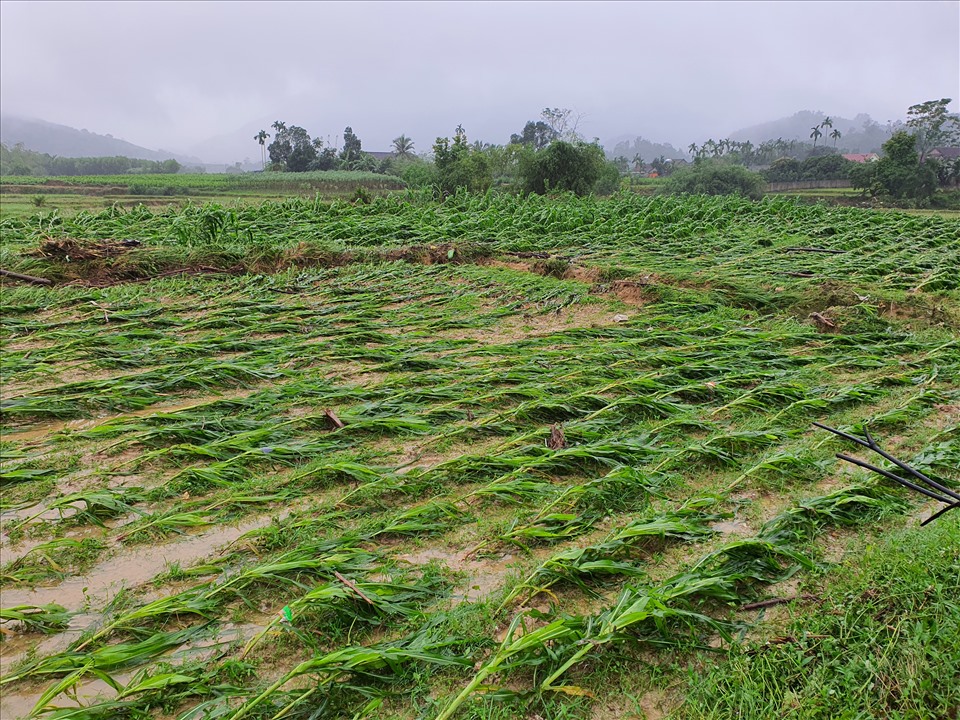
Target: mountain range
column 53, row 139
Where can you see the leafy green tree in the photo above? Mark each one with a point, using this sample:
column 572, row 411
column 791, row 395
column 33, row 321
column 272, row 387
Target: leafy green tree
column 932, row 125
column 351, row 148
column 785, row 169
column 579, row 168
column 535, row 134
column 419, row 174
column 899, row 174
column 292, row 149
column 303, row 152
column 459, row 165
column 281, row 147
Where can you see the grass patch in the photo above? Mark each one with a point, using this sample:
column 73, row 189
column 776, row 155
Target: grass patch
column 883, row 644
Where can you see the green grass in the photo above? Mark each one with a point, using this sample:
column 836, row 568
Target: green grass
column 882, row 642
column 19, row 196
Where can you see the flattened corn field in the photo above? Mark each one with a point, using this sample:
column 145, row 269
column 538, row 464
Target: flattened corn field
column 490, row 458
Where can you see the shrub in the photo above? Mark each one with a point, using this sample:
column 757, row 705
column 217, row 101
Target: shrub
column 712, row 178
column 460, row 165
column 419, row 175
column 567, row 167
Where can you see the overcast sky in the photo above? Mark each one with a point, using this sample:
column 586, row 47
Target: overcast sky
column 178, row 75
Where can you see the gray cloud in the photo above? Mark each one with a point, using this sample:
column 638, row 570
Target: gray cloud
column 174, row 74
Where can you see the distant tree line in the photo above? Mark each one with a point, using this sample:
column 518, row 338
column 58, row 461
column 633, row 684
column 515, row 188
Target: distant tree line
column 20, row 161
column 293, row 150
column 815, row 167
column 548, row 155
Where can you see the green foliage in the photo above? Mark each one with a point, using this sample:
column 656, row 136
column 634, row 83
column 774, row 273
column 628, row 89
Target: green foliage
column 18, row 161
column 361, row 196
column 292, row 148
column 886, row 633
column 579, row 168
column 715, row 178
column 418, row 174
column 402, row 146
column 817, row 167
column 352, row 147
column 899, row 174
column 49, row 619
column 537, row 135
column 460, row 165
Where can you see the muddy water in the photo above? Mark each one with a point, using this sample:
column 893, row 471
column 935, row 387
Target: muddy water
column 18, row 704
column 131, row 568
column 15, row 647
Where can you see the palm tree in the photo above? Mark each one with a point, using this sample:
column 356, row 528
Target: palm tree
column 637, row 162
column 836, row 135
column 261, row 137
column 693, row 149
column 827, row 122
column 402, row 146
column 816, row 135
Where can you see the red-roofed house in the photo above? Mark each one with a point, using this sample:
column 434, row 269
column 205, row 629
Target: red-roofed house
column 861, row 157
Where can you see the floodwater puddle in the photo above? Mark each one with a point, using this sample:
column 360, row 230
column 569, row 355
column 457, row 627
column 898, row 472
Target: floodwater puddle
column 19, row 704
column 16, row 647
column 131, row 568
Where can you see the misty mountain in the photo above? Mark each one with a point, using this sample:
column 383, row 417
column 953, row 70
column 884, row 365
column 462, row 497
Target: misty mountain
column 629, row 146
column 65, row 141
column 861, row 134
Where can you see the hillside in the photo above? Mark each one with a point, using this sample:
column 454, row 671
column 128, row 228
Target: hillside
column 65, row 141
column 861, row 134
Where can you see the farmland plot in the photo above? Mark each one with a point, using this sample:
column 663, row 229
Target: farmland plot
column 488, row 458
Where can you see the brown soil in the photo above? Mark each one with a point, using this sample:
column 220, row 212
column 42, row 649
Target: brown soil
column 482, row 576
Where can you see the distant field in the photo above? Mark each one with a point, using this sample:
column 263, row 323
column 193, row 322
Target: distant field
column 24, row 195
column 212, row 182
